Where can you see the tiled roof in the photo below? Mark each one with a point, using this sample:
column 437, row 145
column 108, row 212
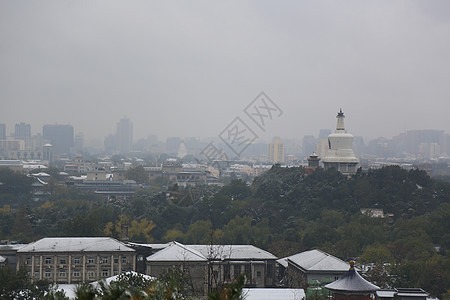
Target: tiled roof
column 234, row 252
column 269, row 294
column 352, row 282
column 74, row 244
column 177, row 252
column 316, row 260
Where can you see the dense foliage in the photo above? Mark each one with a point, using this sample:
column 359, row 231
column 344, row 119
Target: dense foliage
column 283, row 211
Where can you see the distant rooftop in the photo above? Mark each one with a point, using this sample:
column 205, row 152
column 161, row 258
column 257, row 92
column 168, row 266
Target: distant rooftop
column 177, row 251
column 75, row 244
column 316, row 260
column 270, row 294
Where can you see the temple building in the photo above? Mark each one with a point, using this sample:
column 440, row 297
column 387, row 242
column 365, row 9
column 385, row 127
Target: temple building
column 352, row 286
column 340, row 154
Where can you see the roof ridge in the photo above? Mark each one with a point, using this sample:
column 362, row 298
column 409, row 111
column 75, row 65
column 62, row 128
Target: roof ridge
column 327, row 255
column 193, row 251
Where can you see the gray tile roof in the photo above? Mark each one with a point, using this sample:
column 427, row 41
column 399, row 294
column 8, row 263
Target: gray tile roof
column 234, row 252
column 316, row 260
column 352, row 282
column 76, row 244
column 179, row 252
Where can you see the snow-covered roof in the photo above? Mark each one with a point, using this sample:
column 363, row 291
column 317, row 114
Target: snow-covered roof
column 41, row 174
column 2, row 259
column 269, row 294
column 234, row 252
column 39, row 182
column 11, row 247
column 81, row 177
column 153, row 246
column 34, row 166
column 69, row 289
column 352, row 282
column 385, row 294
column 75, row 244
column 316, row 260
column 108, row 280
column 283, row 262
column 177, row 252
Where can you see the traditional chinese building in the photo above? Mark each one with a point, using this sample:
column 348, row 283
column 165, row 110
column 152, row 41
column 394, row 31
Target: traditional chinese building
column 352, row 286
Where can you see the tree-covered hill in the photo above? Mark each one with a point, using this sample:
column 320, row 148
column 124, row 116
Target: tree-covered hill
column 283, row 211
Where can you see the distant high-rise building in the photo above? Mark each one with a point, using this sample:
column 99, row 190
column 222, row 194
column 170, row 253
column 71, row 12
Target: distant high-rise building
column 308, row 145
column 276, row 151
column 59, row 136
column 48, row 153
column 124, row 136
column 110, row 143
column 324, row 133
column 22, row 131
column 78, row 143
column 2, row 131
column 340, row 153
column 173, row 144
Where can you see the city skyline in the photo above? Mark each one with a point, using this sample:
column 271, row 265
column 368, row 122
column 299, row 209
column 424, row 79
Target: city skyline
column 386, row 64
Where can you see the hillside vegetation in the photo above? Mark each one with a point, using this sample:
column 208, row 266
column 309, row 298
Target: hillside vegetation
column 283, row 211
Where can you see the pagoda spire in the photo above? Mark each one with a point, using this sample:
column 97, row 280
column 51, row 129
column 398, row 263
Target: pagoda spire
column 340, row 122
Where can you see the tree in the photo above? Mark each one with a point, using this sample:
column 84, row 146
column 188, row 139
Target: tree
column 139, row 231
column 231, row 291
column 376, row 254
column 137, row 174
column 22, row 229
column 17, row 285
column 14, row 187
column 85, row 291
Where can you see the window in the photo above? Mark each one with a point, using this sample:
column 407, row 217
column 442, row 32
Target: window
column 76, row 260
column 104, row 260
column 91, row 274
column 105, row 273
column 124, row 259
column 62, row 261
column 76, row 273
column 91, row 260
column 116, row 273
column 140, row 258
column 48, row 260
column 62, row 273
column 36, row 274
column 28, row 260
column 116, row 260
column 48, row 274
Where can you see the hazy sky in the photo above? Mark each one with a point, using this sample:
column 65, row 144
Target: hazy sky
column 188, row 68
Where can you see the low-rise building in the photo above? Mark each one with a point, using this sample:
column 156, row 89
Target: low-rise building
column 8, row 251
column 76, row 259
column 301, row 268
column 213, row 265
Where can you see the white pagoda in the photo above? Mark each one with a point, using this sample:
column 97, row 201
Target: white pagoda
column 340, row 153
